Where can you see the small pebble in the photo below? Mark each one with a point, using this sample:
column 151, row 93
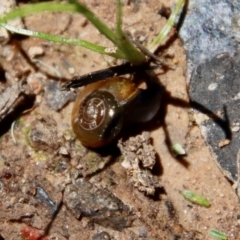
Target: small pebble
column 35, row 51
column 235, row 129
column 71, row 70
column 63, row 151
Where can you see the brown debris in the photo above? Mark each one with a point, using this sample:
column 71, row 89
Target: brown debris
column 223, row 143
column 139, row 159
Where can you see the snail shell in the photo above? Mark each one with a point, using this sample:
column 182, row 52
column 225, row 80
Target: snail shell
column 102, row 108
column 97, row 115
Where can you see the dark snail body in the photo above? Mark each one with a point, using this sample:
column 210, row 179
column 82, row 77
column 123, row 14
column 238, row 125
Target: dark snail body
column 102, row 108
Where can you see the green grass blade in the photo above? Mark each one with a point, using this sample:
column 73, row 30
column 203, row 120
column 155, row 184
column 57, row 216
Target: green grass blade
column 126, row 49
column 165, row 31
column 60, row 39
column 102, row 27
column 29, row 9
column 125, row 45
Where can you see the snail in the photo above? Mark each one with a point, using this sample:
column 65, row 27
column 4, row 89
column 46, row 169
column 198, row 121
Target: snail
column 103, row 107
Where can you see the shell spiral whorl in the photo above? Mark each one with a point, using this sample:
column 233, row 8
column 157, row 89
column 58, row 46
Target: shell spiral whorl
column 97, row 115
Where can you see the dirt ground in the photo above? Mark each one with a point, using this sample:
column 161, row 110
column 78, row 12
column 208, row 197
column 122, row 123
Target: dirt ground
column 53, row 187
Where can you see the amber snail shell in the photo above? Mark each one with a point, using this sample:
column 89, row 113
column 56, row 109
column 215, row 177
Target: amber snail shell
column 97, row 115
column 101, row 109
